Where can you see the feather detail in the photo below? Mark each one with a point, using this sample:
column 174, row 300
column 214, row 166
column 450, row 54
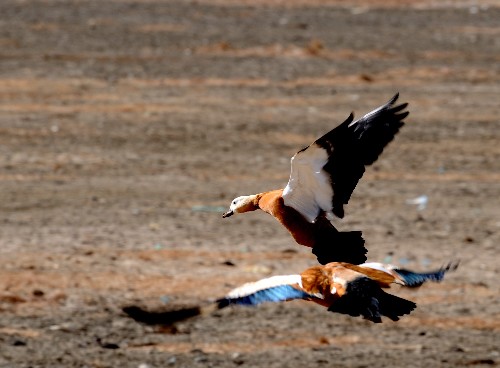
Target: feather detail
column 416, row 279
column 275, row 294
column 272, row 289
column 309, row 190
column 324, row 174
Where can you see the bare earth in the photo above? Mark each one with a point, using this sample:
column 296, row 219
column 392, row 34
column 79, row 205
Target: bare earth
column 126, row 127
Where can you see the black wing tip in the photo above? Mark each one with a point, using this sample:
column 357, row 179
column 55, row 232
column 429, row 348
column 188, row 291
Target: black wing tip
column 400, row 117
column 344, row 124
column 389, row 106
column 393, row 99
column 350, row 118
column 449, row 267
column 398, row 112
column 452, row 265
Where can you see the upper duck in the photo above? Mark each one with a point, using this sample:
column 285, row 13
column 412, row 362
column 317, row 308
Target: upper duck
column 322, row 179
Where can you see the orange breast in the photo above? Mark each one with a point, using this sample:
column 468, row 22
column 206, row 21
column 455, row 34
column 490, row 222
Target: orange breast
column 301, row 230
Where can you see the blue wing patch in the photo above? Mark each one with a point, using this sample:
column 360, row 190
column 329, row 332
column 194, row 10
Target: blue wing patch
column 415, row 279
column 275, row 294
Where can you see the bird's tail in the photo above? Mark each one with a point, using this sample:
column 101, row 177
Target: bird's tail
column 341, row 246
column 393, row 306
column 365, row 298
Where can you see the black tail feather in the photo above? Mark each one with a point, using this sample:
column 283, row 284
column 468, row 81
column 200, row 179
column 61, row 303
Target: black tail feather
column 364, row 298
column 359, row 300
column 348, row 246
column 393, row 306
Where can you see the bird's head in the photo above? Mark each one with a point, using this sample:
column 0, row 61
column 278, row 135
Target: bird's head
column 242, row 204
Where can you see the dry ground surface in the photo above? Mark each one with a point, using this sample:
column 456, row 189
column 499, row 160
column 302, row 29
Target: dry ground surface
column 127, row 126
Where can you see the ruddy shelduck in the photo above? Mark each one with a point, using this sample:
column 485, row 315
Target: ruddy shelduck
column 322, row 179
column 356, row 290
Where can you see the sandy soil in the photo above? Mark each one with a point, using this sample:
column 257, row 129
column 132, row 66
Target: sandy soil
column 126, row 127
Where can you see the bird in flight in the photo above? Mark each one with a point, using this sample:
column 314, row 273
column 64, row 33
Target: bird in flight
column 322, row 179
column 355, row 290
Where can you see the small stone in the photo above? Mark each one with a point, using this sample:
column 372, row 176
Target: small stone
column 38, row 293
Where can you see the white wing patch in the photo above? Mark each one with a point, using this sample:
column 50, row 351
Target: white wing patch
column 309, row 189
column 379, row 266
column 253, row 287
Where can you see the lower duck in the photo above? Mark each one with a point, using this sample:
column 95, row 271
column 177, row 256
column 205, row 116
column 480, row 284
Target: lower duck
column 355, row 290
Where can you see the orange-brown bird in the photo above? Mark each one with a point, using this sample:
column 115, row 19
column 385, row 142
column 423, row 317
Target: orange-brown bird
column 341, row 287
column 322, row 179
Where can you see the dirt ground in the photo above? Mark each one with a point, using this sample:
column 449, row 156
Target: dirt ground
column 127, row 127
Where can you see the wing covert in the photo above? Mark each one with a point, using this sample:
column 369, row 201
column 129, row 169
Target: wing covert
column 324, row 174
column 308, row 190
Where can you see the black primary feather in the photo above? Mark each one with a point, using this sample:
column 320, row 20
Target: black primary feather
column 353, row 145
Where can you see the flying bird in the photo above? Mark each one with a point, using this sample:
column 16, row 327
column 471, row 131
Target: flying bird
column 322, row 179
column 355, row 290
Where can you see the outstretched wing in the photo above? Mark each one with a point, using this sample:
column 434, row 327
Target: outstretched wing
column 406, row 277
column 272, row 289
column 324, row 174
column 415, row 279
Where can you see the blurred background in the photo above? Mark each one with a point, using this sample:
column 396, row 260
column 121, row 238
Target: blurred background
column 127, row 127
